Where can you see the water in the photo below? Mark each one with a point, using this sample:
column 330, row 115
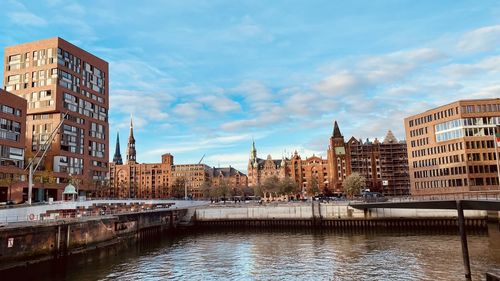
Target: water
column 298, row 255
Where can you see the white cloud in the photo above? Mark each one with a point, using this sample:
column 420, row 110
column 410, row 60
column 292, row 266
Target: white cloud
column 254, row 92
column 27, row 18
column 220, row 103
column 481, row 39
column 338, row 83
column 239, row 124
column 145, row 105
column 137, row 74
column 485, row 66
column 187, row 144
column 492, row 91
column 189, row 110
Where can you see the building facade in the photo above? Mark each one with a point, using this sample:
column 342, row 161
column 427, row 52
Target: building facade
column 312, row 173
column 383, row 164
column 12, row 142
column 339, row 160
column 156, row 180
column 451, row 148
column 56, row 77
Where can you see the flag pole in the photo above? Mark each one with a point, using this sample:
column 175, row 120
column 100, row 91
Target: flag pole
column 497, row 143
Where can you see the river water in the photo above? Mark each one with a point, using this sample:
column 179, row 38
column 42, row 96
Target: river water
column 281, row 255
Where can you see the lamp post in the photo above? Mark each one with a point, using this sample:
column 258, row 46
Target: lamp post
column 45, row 148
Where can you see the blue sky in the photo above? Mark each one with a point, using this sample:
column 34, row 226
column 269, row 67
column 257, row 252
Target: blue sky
column 205, row 77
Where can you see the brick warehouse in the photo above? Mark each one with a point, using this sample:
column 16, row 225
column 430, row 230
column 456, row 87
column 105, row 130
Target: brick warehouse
column 154, row 180
column 383, row 164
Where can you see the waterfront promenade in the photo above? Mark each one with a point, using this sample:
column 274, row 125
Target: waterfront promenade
column 34, row 214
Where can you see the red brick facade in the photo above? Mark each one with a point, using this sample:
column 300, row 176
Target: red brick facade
column 55, row 77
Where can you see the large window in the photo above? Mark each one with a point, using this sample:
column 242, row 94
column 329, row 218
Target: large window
column 466, row 127
column 11, row 156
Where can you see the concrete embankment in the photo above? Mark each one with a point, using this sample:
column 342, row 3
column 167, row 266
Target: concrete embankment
column 333, row 216
column 23, row 243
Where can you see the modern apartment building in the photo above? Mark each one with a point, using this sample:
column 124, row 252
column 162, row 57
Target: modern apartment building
column 12, row 139
column 451, row 148
column 383, row 164
column 59, row 80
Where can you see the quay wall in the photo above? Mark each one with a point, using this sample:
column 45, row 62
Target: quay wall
column 24, row 243
column 339, row 217
column 320, row 211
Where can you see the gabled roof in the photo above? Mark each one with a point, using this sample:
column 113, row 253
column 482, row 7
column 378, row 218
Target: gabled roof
column 227, row 172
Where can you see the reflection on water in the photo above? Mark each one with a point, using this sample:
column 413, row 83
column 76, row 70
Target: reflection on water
column 279, row 255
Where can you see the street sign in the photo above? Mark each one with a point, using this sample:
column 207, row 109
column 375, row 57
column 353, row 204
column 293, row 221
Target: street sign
column 385, row 182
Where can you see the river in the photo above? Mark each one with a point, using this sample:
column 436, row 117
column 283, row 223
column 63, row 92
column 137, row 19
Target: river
column 280, row 255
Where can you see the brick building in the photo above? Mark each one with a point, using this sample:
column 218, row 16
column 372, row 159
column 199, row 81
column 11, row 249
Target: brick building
column 451, row 148
column 339, row 160
column 55, row 77
column 12, row 142
column 155, row 180
column 383, row 164
column 326, row 174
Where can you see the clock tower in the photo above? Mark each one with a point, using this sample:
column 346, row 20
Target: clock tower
column 339, row 162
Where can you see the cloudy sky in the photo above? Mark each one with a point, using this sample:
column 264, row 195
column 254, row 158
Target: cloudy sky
column 207, row 77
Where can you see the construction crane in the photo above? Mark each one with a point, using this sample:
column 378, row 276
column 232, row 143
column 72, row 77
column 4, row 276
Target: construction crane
column 201, row 159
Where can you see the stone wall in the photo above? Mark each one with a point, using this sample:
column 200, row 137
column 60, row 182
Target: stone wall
column 39, row 241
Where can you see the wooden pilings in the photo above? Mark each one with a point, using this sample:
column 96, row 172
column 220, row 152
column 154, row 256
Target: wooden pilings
column 415, row 224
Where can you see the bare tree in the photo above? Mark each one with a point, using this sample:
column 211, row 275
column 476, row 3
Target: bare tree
column 314, row 187
column 257, row 190
column 205, row 189
column 223, row 189
column 288, row 186
column 177, row 188
column 247, row 191
column 353, row 184
column 271, row 185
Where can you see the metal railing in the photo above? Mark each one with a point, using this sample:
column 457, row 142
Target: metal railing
column 64, row 215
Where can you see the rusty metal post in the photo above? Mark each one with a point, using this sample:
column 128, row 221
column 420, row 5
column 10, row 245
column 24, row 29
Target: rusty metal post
column 463, row 239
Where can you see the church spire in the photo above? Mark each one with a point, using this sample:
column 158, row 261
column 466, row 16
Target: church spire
column 336, row 130
column 253, row 151
column 131, row 143
column 117, row 158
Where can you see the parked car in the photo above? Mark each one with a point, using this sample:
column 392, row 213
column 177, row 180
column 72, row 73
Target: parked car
column 373, row 197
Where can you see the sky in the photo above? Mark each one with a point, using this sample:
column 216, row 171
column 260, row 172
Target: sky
column 208, row 77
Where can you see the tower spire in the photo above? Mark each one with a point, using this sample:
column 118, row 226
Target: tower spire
column 253, row 151
column 336, row 130
column 117, row 158
column 131, row 154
